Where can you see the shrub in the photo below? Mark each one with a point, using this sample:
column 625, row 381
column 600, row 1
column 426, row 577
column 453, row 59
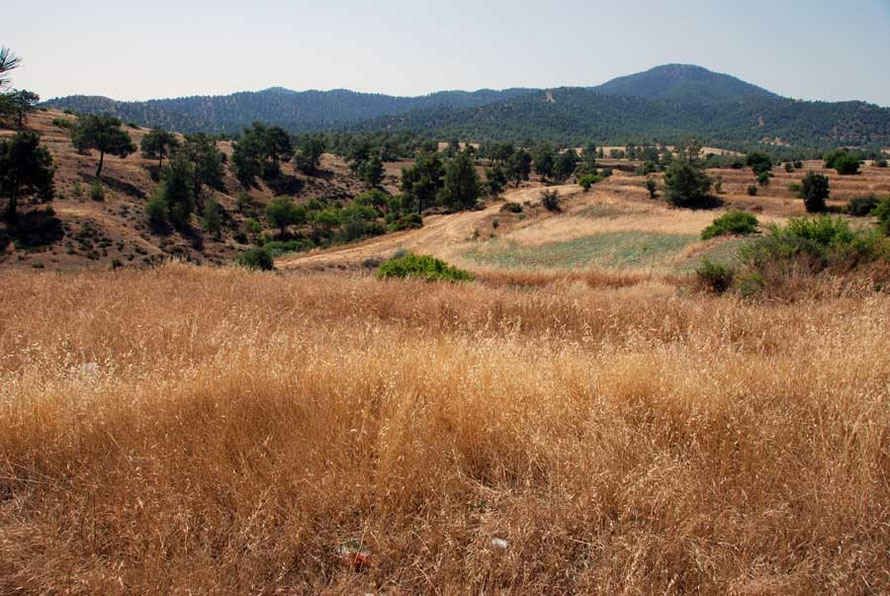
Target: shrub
column 795, row 187
column 789, row 167
column 735, row 222
column 550, row 200
column 257, row 259
column 763, row 178
column 882, row 212
column 408, row 222
column 63, row 122
column 812, row 244
column 718, row 185
column 157, row 213
column 97, row 191
column 814, row 191
column 422, row 267
column 862, row 206
column 716, row 277
column 752, row 190
column 77, row 190
column 511, row 207
column 845, row 163
column 652, row 187
column 588, row 180
column 276, row 248
column 798, row 165
column 880, row 162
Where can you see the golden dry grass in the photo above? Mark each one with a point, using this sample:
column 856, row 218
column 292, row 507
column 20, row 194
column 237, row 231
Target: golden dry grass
column 621, row 437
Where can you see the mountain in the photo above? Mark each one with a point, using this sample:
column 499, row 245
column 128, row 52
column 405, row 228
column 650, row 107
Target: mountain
column 667, row 103
column 684, row 83
column 293, row 110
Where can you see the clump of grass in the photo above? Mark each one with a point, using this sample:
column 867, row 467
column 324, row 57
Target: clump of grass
column 97, row 191
column 422, row 267
column 551, row 200
column 735, row 222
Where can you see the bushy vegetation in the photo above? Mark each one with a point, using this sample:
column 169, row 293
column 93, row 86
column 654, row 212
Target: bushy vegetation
column 843, row 161
column 862, row 206
column 735, row 222
column 716, row 277
column 257, row 258
column 813, row 244
column 421, row 267
column 551, row 200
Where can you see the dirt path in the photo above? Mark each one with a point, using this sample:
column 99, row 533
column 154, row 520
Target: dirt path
column 440, row 235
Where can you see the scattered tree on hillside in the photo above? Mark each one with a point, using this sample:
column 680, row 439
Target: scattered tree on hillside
column 686, row 184
column 8, row 63
column 25, row 168
column 212, row 218
column 158, row 144
column 759, row 162
column 423, row 180
column 259, row 153
column 207, row 161
column 495, row 180
column 815, row 191
column 103, row 133
column 565, row 165
column 308, row 155
column 176, row 193
column 544, row 161
column 519, row 166
column 283, row 213
column 22, row 102
column 461, row 187
column 371, row 171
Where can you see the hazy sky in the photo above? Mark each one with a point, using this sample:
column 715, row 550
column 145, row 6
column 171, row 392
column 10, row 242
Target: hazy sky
column 811, row 49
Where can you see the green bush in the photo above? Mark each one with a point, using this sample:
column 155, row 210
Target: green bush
column 63, row 122
column 813, row 244
column 511, row 207
column 97, row 191
column 588, row 180
column 862, row 206
column 276, row 248
column 882, row 212
column 408, row 222
column 716, row 277
column 789, row 167
column 157, row 213
column 795, row 187
column 735, row 222
column 77, row 190
column 422, row 267
column 256, row 259
column 752, row 190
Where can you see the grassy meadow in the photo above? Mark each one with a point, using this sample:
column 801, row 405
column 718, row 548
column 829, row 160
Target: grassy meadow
column 187, row 430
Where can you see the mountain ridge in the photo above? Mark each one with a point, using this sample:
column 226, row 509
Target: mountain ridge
column 642, row 106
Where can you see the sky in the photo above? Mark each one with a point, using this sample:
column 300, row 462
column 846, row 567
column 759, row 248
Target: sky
column 807, row 49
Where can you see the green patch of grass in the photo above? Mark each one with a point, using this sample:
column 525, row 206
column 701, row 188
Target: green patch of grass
column 723, row 252
column 616, row 249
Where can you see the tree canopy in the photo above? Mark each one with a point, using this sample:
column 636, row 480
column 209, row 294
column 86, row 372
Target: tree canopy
column 26, row 168
column 103, row 133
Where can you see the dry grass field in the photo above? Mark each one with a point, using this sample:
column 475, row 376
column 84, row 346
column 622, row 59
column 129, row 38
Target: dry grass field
column 187, row 430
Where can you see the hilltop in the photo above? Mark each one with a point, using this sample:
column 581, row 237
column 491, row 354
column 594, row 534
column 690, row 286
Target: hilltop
column 668, row 103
